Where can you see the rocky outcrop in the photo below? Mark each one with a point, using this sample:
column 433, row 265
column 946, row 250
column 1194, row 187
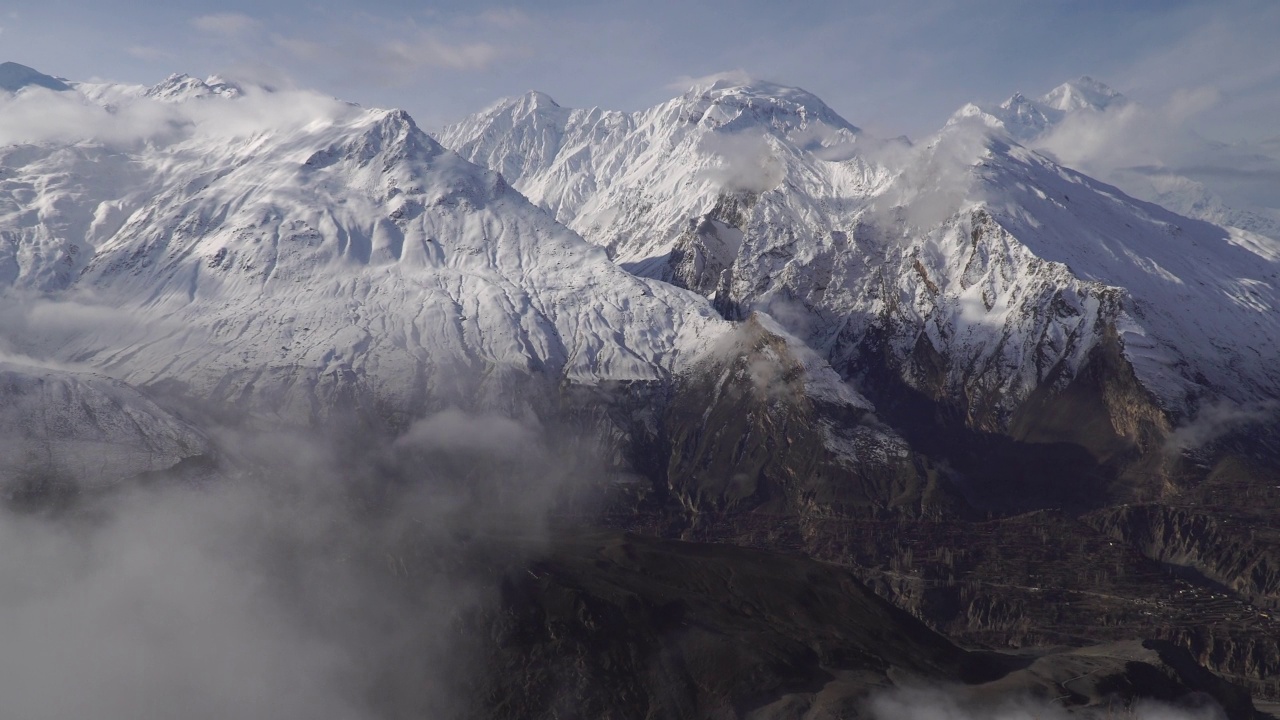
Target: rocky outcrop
column 621, row 626
column 1238, row 556
column 760, row 432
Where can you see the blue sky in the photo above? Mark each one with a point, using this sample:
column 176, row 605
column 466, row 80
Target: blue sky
column 892, row 68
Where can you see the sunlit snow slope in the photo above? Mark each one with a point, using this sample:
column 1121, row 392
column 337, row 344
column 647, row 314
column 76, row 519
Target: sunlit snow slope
column 291, row 252
column 982, row 272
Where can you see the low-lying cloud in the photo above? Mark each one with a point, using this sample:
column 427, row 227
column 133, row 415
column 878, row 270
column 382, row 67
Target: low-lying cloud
column 939, row 703
column 746, row 163
column 1216, row 420
column 313, row 575
column 1129, row 142
column 37, row 116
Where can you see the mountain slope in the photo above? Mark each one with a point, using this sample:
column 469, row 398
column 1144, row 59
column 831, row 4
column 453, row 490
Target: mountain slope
column 15, row 77
column 1097, row 130
column 291, row 253
column 74, row 429
column 966, row 239
column 287, row 255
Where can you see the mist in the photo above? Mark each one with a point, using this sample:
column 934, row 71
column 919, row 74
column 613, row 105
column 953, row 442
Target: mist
column 935, row 177
column 306, row 574
column 37, row 116
column 747, row 163
column 957, row 703
column 1152, row 150
column 1219, row 419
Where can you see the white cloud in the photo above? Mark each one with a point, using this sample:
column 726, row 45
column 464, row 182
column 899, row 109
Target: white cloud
column 378, row 51
column 1142, row 148
column 45, row 116
column 747, row 163
column 304, row 582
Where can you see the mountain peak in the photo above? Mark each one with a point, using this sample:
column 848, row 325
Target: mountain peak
column 742, row 94
column 1083, row 93
column 14, row 77
column 180, row 86
column 742, row 86
column 1015, row 100
column 535, row 99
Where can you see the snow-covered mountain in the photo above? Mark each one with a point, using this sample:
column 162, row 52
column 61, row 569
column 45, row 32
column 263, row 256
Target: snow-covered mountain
column 630, row 182
column 15, row 78
column 288, row 256
column 1027, row 119
column 290, row 252
column 1093, row 128
column 76, row 427
column 287, row 253
column 984, row 275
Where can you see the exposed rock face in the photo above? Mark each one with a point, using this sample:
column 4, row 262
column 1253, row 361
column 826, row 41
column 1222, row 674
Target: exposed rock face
column 761, row 425
column 1022, row 314
column 1240, row 556
column 625, row 627
column 760, row 437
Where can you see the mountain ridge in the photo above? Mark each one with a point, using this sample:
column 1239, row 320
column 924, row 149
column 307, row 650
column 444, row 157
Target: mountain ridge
column 653, row 178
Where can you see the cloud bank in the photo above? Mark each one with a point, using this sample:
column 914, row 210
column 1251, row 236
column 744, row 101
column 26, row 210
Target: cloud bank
column 332, row 576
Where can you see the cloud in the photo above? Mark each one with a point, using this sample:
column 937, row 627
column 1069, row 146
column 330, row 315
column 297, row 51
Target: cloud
column 506, row 18
column 45, row 116
column 372, row 50
column 428, row 51
column 1133, row 145
column 317, row 574
column 300, row 48
column 746, row 163
column 940, row 703
column 1216, row 420
column 736, row 77
column 1229, row 48
column 227, row 24
column 934, row 178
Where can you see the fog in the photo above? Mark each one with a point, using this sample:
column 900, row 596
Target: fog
column 955, row 703
column 311, row 574
column 747, row 163
column 1218, row 419
column 1151, row 150
column 935, row 177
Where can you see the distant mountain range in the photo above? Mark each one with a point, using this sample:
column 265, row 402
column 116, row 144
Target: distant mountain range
column 1195, row 178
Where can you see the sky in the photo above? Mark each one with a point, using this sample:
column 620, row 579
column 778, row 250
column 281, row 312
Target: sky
column 891, row 68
